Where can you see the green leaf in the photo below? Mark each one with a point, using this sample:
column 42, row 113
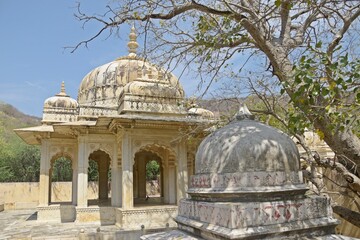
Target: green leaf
column 324, row 91
column 277, row 3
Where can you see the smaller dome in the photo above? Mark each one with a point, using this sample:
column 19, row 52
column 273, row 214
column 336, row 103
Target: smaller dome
column 60, row 108
column 61, row 100
column 204, row 113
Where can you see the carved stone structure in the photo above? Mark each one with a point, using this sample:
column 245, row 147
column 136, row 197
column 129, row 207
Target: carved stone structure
column 128, row 112
column 248, row 185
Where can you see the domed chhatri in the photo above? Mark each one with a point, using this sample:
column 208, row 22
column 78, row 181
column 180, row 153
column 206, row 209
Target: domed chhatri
column 129, row 112
column 60, row 108
column 130, row 84
column 248, row 185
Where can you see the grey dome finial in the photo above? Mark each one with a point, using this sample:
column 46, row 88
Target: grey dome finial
column 244, row 113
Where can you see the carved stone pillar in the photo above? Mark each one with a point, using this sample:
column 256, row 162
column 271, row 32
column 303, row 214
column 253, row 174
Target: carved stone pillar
column 182, row 177
column 127, row 172
column 82, row 178
column 74, row 182
column 172, row 182
column 165, row 167
column 136, row 179
column 116, row 174
column 44, row 174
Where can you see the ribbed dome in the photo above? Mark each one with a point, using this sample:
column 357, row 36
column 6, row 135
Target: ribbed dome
column 104, row 86
column 61, row 100
column 247, row 146
column 60, row 108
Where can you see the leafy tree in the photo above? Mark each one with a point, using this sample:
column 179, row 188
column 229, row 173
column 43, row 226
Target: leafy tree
column 62, row 170
column 212, row 32
column 22, row 165
column 152, row 170
column 93, row 171
column 296, row 45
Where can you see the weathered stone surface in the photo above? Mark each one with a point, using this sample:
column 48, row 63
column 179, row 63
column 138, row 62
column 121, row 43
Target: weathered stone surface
column 147, row 217
column 247, row 146
column 103, row 215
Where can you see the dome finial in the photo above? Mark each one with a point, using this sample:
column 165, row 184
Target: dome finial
column 62, row 91
column 132, row 44
column 244, row 113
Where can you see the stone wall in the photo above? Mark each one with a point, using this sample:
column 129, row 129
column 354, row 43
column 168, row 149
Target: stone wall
column 20, row 195
column 25, row 195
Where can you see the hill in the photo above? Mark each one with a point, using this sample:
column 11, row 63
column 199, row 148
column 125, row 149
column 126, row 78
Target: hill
column 11, row 118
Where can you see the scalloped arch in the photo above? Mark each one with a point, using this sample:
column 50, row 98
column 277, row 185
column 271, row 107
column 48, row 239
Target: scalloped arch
column 59, row 155
column 103, row 150
column 155, row 148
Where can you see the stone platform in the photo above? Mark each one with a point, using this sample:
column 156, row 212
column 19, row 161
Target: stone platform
column 23, row 224
column 148, row 217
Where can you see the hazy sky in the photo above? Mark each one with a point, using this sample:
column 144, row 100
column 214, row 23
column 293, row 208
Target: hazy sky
column 33, row 62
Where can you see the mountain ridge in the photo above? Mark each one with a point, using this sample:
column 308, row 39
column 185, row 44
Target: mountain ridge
column 10, row 119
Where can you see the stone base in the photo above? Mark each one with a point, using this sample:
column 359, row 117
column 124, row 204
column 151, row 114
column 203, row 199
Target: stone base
column 293, row 230
column 287, row 219
column 57, row 213
column 146, row 217
column 150, row 217
column 103, row 215
column 70, row 213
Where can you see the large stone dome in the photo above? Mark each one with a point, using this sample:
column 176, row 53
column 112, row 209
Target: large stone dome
column 246, row 145
column 103, row 85
column 104, row 89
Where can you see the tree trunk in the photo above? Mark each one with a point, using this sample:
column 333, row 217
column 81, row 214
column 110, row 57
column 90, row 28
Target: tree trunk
column 347, row 214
